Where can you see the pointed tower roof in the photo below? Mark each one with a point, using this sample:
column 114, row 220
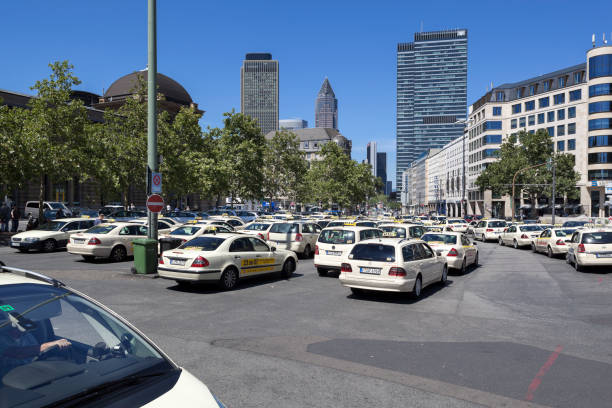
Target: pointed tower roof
column 326, row 88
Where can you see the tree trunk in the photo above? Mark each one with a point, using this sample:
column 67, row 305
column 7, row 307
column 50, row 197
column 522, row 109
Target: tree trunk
column 41, row 193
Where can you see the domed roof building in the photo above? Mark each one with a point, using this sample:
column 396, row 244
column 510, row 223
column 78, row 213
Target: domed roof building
column 175, row 96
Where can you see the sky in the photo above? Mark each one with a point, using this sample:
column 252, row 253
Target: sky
column 201, row 44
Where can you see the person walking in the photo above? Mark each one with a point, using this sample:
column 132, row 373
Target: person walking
column 99, row 220
column 5, row 214
column 15, row 215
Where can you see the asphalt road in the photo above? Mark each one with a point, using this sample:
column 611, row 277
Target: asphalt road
column 520, row 330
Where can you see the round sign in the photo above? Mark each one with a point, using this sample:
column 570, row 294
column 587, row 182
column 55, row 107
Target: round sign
column 155, row 203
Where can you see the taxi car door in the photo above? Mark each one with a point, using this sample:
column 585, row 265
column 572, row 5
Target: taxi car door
column 244, row 257
column 542, row 240
column 470, row 250
column 429, row 264
column 573, row 244
column 310, row 236
column 412, row 258
column 67, row 230
column 266, row 259
column 508, row 234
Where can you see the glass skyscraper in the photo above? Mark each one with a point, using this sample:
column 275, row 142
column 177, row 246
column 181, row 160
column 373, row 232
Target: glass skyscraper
column 431, row 93
column 259, row 90
column 326, row 107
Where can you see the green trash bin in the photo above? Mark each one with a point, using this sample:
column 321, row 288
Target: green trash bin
column 145, row 256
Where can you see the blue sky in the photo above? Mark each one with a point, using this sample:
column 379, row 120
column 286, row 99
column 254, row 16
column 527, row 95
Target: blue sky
column 202, row 44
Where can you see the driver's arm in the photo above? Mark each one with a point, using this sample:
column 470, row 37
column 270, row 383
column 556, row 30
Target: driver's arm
column 32, row 351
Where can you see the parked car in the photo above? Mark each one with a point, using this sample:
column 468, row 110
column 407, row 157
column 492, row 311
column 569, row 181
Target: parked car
column 459, row 250
column 299, row 237
column 521, row 235
column 50, row 236
column 31, row 207
column 553, row 241
column 487, row 230
column 335, row 243
column 590, row 247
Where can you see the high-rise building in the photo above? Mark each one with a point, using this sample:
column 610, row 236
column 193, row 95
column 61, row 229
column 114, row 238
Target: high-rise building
column 326, row 107
column 431, row 93
column 388, row 188
column 259, row 90
column 290, row 124
column 381, row 169
column 371, row 156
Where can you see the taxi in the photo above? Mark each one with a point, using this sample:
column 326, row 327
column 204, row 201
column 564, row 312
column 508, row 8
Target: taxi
column 235, row 222
column 590, row 247
column 459, row 250
column 259, row 228
column 520, row 235
column 187, row 232
column 456, row 225
column 211, row 221
column 225, row 259
column 299, row 237
column 114, row 240
column 50, row 236
column 401, row 230
column 336, row 242
column 489, row 229
column 392, row 265
column 339, row 223
column 553, row 241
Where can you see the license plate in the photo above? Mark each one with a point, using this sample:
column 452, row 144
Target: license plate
column 15, row 244
column 177, row 262
column 604, row 255
column 370, row 271
column 334, row 253
column 79, row 241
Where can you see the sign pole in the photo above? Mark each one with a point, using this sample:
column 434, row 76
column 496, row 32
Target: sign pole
column 152, row 164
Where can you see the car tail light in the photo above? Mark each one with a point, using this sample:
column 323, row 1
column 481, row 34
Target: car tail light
column 452, row 252
column 560, row 242
column 260, row 235
column 183, row 240
column 298, row 237
column 524, row 236
column 199, row 262
column 161, row 260
column 94, row 241
column 395, row 271
column 489, row 229
column 316, row 250
column 346, row 268
column 581, row 248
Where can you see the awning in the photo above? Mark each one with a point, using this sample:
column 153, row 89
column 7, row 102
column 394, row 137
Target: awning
column 525, row 207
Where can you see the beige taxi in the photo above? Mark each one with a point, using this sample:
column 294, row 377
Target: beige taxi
column 235, row 222
column 113, row 240
column 590, row 247
column 487, row 230
column 50, row 236
column 336, row 242
column 459, row 250
column 259, row 228
column 392, row 265
column 456, row 225
column 520, row 235
column 553, row 241
column 297, row 236
column 224, row 258
column 401, row 230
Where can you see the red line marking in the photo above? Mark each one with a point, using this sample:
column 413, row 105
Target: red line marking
column 543, row 370
column 600, row 280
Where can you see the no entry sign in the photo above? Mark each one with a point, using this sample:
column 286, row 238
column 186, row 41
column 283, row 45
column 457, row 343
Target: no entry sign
column 155, row 203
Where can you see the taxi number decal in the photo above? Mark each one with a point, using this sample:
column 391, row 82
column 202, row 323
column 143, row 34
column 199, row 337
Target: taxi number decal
column 192, row 248
column 256, row 262
column 260, row 269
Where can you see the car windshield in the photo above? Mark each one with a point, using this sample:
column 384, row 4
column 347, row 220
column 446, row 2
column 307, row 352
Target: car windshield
column 101, row 229
column 497, row 224
column 56, row 206
column 97, row 348
column 257, row 227
column 370, row 224
column 574, row 223
column 373, row 252
column 203, row 244
column 564, row 232
column 444, row 238
column 528, row 228
column 393, row 232
column 185, row 230
column 603, row 237
column 52, row 226
column 336, row 236
column 284, row 228
column 456, row 222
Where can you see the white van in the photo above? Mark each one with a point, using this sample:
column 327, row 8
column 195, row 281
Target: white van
column 32, row 207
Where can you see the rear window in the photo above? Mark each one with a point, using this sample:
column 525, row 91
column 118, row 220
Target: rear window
column 335, row 224
column 56, row 206
column 393, row 232
column 185, row 231
column 101, row 229
column 445, row 238
column 257, row 227
column 373, row 252
column 528, row 228
column 370, row 224
column 336, row 236
column 497, row 224
column 285, row 228
column 203, row 244
column 574, row 223
column 456, row 222
column 603, row 237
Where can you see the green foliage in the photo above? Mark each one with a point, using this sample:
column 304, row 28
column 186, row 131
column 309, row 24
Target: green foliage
column 284, row 167
column 15, row 164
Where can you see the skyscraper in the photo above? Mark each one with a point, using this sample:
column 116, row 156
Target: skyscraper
column 326, row 107
column 431, row 93
column 371, row 156
column 381, row 169
column 259, row 90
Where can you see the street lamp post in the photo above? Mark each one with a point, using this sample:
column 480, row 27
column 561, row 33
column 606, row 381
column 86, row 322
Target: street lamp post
column 152, row 162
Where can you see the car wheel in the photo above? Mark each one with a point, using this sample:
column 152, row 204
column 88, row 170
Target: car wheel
column 515, row 244
column 49, row 245
column 444, row 276
column 307, row 252
column 577, row 266
column 549, row 252
column 288, row 268
column 533, row 248
column 418, row 287
column 322, row 271
column 357, row 292
column 229, row 279
column 500, row 241
column 463, row 269
column 118, row 254
column 88, row 258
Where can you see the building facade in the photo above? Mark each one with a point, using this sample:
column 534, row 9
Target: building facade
column 381, row 169
column 259, row 90
column 290, row 124
column 326, row 107
column 312, row 141
column 371, row 156
column 431, row 93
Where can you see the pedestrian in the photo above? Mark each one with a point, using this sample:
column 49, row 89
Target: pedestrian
column 5, row 214
column 168, row 208
column 31, row 222
column 15, row 215
column 60, row 214
column 99, row 220
column 132, row 206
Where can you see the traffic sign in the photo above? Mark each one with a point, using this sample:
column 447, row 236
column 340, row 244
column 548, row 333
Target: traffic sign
column 156, row 182
column 155, row 203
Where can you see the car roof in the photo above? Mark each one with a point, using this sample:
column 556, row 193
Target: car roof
column 445, row 233
column 389, row 241
column 73, row 219
column 349, row 228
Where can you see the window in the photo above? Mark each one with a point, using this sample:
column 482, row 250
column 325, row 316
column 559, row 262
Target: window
column 562, row 81
column 600, row 89
column 531, row 120
column 544, row 102
column 571, row 144
column 241, row 245
column 546, row 86
column 600, row 174
column 522, row 122
column 561, row 130
column 597, row 107
column 540, row 118
column 516, row 108
column 373, row 252
column 337, row 236
column 600, row 65
column 561, row 146
column 499, row 96
column 493, row 125
column 575, row 95
column 551, row 131
column 492, row 139
column 571, row 112
column 72, row 226
column 497, row 111
column 559, row 98
column 598, row 141
column 488, row 153
column 408, row 253
column 571, row 128
column 600, row 158
column 550, row 116
column 305, row 145
column 427, row 251
column 529, row 105
column 532, row 90
column 513, row 124
column 561, row 114
column 596, row 124
column 577, row 77
column 519, row 93
column 369, row 234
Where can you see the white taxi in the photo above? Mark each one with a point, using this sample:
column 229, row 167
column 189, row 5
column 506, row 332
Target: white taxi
column 235, row 222
column 520, row 235
column 553, row 241
column 400, row 230
column 113, row 240
column 80, row 352
column 259, row 228
column 392, row 265
column 50, row 236
column 487, row 230
column 299, row 237
column 336, row 242
column 459, row 251
column 456, row 225
column 224, row 258
column 590, row 247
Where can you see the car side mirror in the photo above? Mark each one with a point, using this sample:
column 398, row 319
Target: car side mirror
column 439, row 253
column 273, row 249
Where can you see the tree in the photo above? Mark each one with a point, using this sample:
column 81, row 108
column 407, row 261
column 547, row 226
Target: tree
column 16, row 165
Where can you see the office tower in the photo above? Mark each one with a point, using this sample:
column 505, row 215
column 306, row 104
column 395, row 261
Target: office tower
column 259, row 90
column 388, row 188
column 371, row 156
column 431, row 93
column 326, row 107
column 381, row 169
column 295, row 123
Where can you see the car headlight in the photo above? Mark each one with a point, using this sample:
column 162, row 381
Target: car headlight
column 31, row 239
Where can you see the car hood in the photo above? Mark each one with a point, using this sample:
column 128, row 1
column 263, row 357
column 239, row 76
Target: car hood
column 38, row 234
column 187, row 392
